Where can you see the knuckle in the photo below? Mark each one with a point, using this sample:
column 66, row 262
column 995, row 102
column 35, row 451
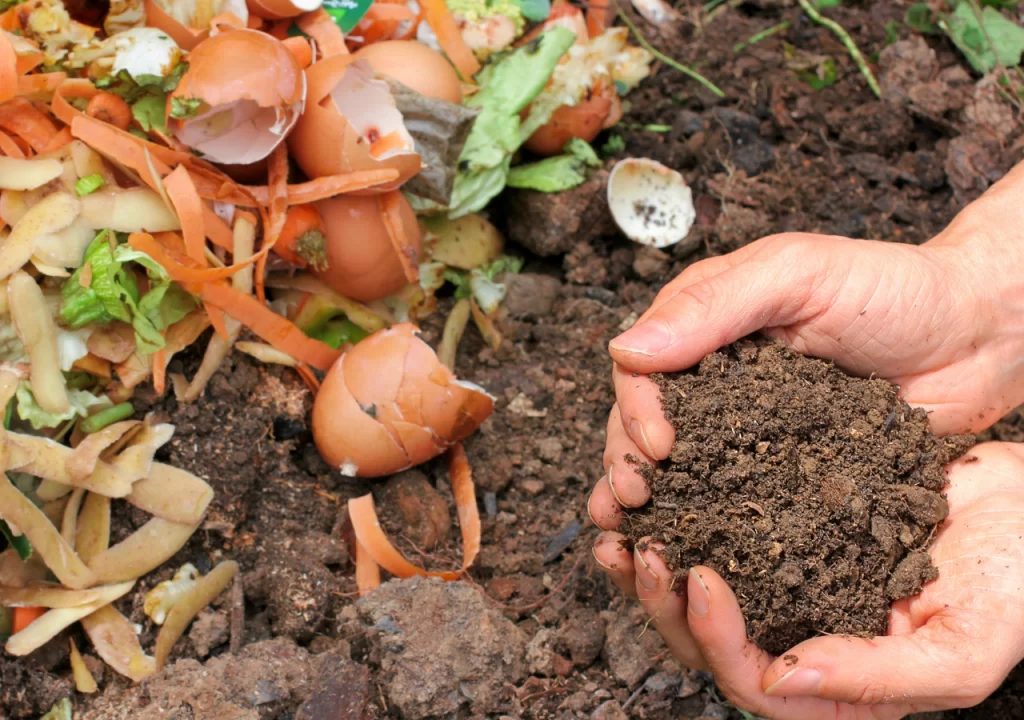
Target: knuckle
column 872, row 692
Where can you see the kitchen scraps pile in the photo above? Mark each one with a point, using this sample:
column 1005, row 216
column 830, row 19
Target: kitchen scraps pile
column 302, row 179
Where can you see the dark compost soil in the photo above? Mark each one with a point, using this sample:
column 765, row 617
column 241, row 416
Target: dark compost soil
column 537, row 632
column 812, row 493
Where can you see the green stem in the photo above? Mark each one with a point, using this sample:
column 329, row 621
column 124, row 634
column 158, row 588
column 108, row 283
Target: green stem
column 688, row 71
column 95, row 423
column 758, row 37
column 844, row 37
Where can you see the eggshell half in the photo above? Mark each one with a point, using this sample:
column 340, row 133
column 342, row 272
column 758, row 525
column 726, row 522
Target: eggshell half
column 253, row 91
column 351, row 124
column 416, row 66
column 393, row 382
column 651, row 204
column 362, row 261
column 282, row 9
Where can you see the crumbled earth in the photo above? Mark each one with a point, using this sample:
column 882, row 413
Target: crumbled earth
column 774, row 156
column 814, row 494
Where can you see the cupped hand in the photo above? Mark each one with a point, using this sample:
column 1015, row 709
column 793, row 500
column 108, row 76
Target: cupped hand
column 948, row 647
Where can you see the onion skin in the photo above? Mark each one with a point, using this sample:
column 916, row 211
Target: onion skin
column 388, row 404
column 582, row 121
column 362, row 263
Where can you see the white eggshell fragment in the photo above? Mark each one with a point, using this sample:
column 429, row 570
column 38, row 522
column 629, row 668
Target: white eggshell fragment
column 651, row 204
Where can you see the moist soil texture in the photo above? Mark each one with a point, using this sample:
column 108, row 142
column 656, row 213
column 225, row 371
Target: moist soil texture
column 535, row 630
column 814, row 494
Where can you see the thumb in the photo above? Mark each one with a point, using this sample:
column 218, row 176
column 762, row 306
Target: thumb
column 935, row 666
column 766, row 290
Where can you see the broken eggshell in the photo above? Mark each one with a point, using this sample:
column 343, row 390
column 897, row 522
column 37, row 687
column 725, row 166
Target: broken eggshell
column 251, row 91
column 651, row 204
column 388, row 404
column 350, row 124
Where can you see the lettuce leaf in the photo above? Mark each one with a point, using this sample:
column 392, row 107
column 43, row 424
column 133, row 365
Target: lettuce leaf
column 112, row 293
column 508, row 85
column 80, row 401
column 559, row 173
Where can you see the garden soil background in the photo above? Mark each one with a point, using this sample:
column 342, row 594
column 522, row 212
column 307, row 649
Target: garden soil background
column 536, row 631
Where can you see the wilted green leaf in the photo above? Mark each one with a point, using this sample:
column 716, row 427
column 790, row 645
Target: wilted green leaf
column 973, row 38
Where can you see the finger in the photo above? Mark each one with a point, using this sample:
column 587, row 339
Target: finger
column 665, row 605
column 603, row 507
column 719, row 310
column 738, row 665
column 945, row 663
column 616, row 560
column 693, row 274
column 639, row 402
column 625, row 483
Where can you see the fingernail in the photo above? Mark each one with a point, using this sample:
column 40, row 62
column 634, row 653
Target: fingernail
column 648, row 338
column 611, row 484
column 796, row 683
column 589, row 499
column 636, row 431
column 644, row 575
column 699, row 601
column 593, row 551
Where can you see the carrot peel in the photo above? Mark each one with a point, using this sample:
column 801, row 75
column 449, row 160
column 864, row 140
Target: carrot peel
column 371, row 537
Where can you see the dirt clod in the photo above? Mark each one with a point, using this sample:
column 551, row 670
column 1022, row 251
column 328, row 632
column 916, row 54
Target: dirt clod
column 411, row 503
column 812, row 493
column 441, row 647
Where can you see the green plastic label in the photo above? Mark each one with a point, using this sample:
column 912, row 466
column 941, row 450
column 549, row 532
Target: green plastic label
column 347, row 13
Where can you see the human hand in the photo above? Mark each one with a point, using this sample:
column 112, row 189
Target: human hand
column 949, row 647
column 943, row 321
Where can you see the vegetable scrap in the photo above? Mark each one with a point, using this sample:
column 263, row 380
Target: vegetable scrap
column 302, row 180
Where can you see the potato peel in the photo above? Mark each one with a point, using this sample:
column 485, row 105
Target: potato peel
column 115, row 640
column 205, row 591
column 84, row 681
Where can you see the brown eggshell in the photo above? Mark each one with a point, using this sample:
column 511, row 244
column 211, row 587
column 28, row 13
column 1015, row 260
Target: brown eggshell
column 416, row 66
column 362, row 261
column 281, row 9
column 324, row 142
column 348, row 437
column 242, row 65
column 582, row 121
column 356, row 393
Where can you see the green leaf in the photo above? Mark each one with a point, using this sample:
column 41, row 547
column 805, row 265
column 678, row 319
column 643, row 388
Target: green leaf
column 824, row 77
column 615, row 144
column 829, row 3
column 556, row 174
column 535, row 10
column 921, row 18
column 503, row 264
column 88, row 184
column 507, row 85
column 892, row 32
column 338, row 332
column 20, row 543
column 972, row 37
column 183, row 108
column 79, row 403
column 113, row 294
column 149, row 110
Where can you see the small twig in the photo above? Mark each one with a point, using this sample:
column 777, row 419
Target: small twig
column 758, row 37
column 685, row 70
column 844, row 37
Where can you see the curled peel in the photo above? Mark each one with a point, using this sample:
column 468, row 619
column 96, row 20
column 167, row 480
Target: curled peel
column 373, row 548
